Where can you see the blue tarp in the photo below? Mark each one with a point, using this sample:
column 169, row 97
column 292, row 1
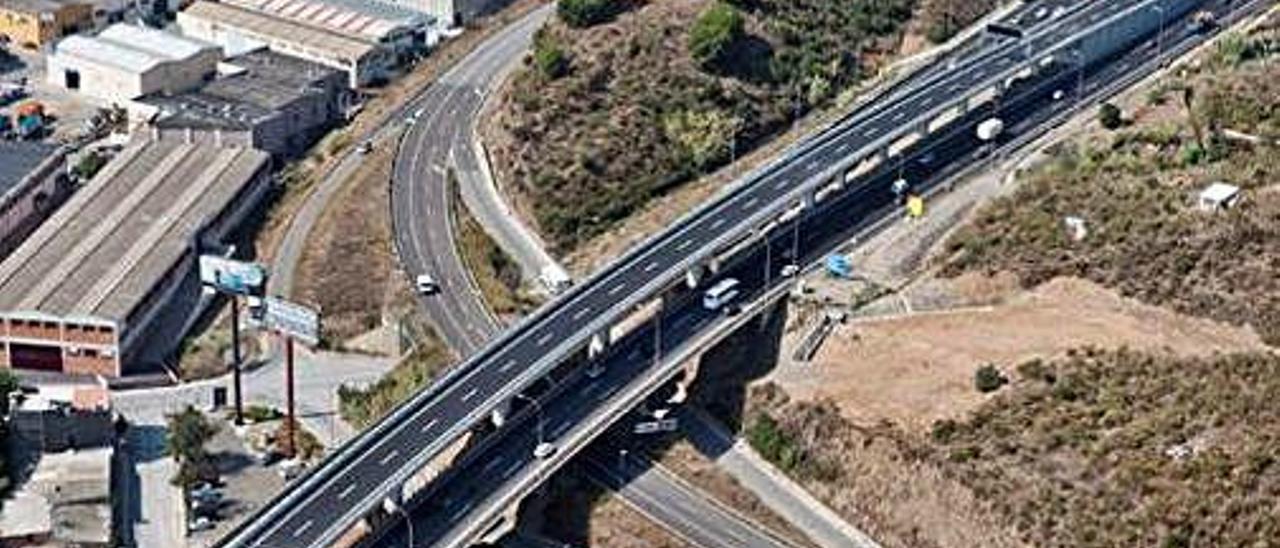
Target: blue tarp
column 839, row 266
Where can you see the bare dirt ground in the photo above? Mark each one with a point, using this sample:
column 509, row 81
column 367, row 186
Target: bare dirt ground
column 914, row 369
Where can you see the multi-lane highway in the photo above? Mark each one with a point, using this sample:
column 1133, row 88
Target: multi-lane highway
column 355, row 480
column 421, row 198
column 450, row 506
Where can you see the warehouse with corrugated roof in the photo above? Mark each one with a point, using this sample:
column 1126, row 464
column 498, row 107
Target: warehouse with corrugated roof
column 127, row 61
column 367, row 39
column 109, row 284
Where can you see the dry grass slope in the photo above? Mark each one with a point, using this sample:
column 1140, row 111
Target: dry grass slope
column 602, row 119
column 1136, row 188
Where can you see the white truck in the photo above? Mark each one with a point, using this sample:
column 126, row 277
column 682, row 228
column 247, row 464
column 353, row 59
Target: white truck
column 989, row 129
column 555, row 279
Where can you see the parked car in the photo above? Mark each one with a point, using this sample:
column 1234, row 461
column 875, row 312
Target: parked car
column 201, row 523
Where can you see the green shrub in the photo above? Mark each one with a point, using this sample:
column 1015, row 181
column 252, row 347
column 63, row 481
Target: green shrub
column 549, row 57
column 1110, row 116
column 768, row 438
column 584, row 13
column 988, row 379
column 261, row 413
column 714, row 32
column 89, row 165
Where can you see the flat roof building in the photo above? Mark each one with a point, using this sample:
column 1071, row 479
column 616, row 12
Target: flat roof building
column 264, row 100
column 36, row 23
column 240, row 29
column 108, row 285
column 126, row 61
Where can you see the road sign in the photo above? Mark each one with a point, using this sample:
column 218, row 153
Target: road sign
column 228, row 276
column 653, row 427
column 292, row 319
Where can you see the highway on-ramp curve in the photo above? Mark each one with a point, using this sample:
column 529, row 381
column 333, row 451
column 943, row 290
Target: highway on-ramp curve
column 351, row 482
column 421, row 197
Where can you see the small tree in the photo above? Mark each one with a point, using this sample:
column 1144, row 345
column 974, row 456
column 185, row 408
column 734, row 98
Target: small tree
column 988, row 379
column 189, row 431
column 8, row 385
column 715, row 30
column 1110, row 116
column 89, row 165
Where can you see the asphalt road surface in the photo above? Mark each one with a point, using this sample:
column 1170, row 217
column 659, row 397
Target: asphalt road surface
column 662, row 496
column 352, row 484
column 449, row 505
column 421, row 197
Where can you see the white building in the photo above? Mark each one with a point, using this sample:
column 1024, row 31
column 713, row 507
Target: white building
column 240, row 29
column 125, row 61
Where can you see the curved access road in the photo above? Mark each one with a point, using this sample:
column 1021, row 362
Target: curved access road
column 438, row 139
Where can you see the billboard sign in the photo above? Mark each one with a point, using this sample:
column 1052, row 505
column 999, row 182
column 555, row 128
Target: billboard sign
column 292, row 319
column 235, row 277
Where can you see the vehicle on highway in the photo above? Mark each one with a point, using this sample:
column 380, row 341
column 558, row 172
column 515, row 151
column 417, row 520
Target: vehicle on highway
column 990, row 129
column 366, row 147
column 790, row 270
column 426, row 285
column 544, row 450
column 720, row 294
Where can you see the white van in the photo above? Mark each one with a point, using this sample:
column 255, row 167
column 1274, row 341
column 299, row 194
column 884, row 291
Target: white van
column 722, row 293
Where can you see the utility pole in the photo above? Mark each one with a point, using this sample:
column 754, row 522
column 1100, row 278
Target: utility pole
column 291, row 448
column 235, row 358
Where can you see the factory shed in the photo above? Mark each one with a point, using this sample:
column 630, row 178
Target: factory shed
column 127, row 61
column 108, row 284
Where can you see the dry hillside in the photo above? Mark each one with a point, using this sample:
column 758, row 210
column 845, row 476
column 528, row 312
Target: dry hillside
column 1137, row 187
column 615, row 109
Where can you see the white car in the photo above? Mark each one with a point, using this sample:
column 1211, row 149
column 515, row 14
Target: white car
column 544, row 450
column 720, row 294
column 426, row 285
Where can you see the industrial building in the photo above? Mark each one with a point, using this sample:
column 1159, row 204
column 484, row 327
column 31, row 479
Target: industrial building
column 126, row 61
column 263, row 100
column 34, row 24
column 454, row 12
column 108, row 285
column 32, row 182
column 239, row 29
column 390, row 26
